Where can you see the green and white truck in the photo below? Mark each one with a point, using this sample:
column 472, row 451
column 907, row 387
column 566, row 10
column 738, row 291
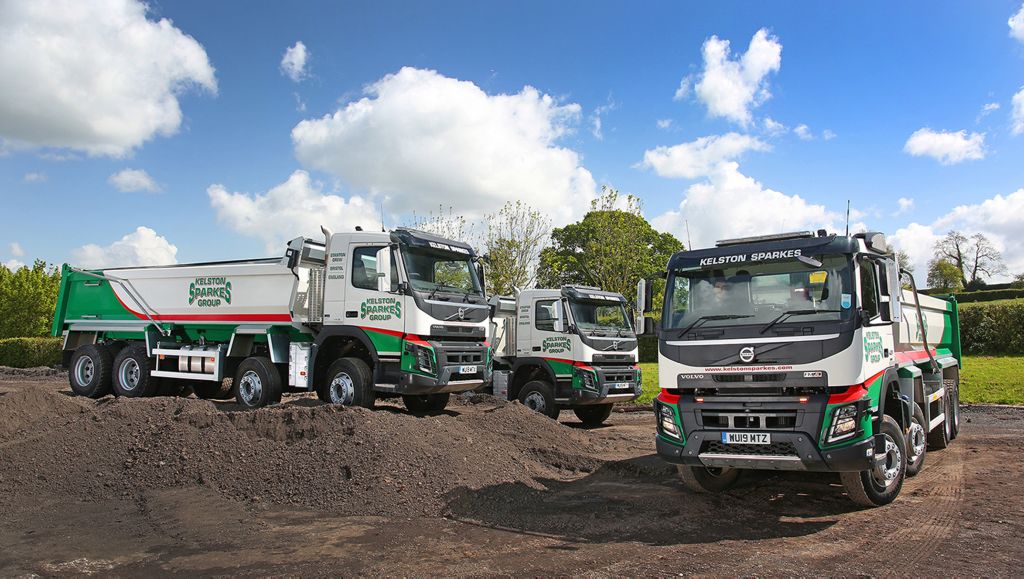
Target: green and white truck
column 572, row 347
column 351, row 317
column 804, row 352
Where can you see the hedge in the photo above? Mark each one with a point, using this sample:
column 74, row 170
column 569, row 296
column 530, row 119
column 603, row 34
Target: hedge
column 30, row 352
column 992, row 328
column 989, row 295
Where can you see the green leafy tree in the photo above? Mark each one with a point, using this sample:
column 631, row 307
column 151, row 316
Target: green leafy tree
column 944, row 275
column 513, row 242
column 28, row 297
column 612, row 247
column 974, row 257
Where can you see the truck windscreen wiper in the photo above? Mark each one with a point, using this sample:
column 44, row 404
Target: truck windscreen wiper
column 711, row 318
column 789, row 313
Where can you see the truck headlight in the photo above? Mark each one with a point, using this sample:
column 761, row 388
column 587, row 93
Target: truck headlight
column 424, row 359
column 666, row 418
column 844, row 423
column 587, row 379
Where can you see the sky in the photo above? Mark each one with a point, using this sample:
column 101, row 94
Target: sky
column 173, row 132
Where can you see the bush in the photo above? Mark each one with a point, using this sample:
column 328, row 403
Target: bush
column 992, row 328
column 989, row 295
column 30, row 352
column 648, row 348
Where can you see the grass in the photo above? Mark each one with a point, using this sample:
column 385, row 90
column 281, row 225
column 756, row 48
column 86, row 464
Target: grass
column 984, row 379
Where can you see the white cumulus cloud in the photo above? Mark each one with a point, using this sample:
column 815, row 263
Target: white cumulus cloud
column 730, row 87
column 803, row 132
column 664, row 124
column 15, row 249
column 296, row 207
column 133, row 180
column 1016, row 23
column 98, row 77
column 34, row 177
column 140, row 247
column 419, row 139
column 1017, row 115
column 906, row 204
column 700, row 157
column 947, row 147
column 293, row 63
column 828, row 135
column 773, row 127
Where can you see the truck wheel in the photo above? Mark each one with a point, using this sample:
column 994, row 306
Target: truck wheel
column 917, row 442
column 89, row 371
column 593, row 415
column 131, row 373
column 939, row 438
column 349, row 383
column 257, row 383
column 537, row 395
column 222, row 390
column 426, row 403
column 954, row 402
column 700, row 479
column 881, row 484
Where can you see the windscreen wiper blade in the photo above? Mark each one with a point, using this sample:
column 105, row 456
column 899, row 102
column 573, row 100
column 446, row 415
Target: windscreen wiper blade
column 789, row 313
column 712, row 318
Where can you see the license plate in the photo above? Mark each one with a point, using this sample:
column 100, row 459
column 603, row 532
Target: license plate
column 467, row 369
column 620, row 385
column 746, row 438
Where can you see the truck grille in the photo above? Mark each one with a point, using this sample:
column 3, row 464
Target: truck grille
column 731, row 378
column 620, row 376
column 742, row 420
column 470, row 357
column 773, row 449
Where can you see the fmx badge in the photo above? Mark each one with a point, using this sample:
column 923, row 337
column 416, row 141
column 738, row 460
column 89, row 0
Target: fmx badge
column 872, row 347
column 556, row 345
column 379, row 309
column 209, row 292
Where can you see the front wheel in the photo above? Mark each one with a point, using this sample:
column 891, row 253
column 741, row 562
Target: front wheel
column 537, row 395
column 349, row 382
column 881, row 484
column 917, row 442
column 425, row 403
column 593, row 415
column 701, row 479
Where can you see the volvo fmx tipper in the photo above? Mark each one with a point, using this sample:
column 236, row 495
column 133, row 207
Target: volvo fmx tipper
column 804, row 352
column 351, row 317
column 572, row 347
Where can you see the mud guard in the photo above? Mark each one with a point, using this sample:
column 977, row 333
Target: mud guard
column 329, row 332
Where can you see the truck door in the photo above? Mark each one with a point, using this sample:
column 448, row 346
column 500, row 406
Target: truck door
column 380, row 314
column 550, row 341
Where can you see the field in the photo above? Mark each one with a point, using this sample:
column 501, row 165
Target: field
column 984, row 380
column 180, row 486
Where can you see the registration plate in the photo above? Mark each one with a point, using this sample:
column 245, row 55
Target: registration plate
column 746, row 438
column 620, row 385
column 467, row 369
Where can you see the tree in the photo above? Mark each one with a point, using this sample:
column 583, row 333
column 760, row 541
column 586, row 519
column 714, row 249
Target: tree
column 903, row 259
column 1018, row 281
column 612, row 247
column 449, row 226
column 973, row 257
column 944, row 275
column 513, row 242
column 28, row 297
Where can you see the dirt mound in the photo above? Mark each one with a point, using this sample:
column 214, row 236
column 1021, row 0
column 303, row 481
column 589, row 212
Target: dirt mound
column 39, row 372
column 340, row 460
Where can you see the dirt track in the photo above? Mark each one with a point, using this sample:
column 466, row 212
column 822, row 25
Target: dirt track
column 184, row 486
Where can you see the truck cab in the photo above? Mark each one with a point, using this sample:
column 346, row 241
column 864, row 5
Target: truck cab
column 572, row 347
column 803, row 352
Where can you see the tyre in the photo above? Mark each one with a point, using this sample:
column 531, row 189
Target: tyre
column 939, row 438
column 537, row 395
column 593, row 415
column 954, row 403
column 917, row 442
column 132, row 377
column 257, row 383
column 702, row 479
column 881, row 484
column 349, row 382
column 426, row 403
column 90, row 370
column 223, row 390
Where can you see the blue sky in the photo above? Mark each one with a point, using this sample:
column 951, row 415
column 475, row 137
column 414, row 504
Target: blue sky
column 892, row 96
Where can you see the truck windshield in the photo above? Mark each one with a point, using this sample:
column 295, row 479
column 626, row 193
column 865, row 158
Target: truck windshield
column 600, row 317
column 759, row 293
column 440, row 271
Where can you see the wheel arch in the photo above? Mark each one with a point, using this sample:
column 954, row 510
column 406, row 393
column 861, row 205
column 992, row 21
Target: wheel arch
column 336, row 342
column 526, row 369
column 895, row 399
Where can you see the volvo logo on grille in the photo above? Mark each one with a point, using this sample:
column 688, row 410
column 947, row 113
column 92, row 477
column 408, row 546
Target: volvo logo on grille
column 747, row 354
column 462, row 313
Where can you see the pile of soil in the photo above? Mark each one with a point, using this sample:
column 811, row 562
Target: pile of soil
column 37, row 373
column 349, row 461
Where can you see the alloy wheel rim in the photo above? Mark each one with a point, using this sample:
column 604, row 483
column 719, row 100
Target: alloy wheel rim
column 887, row 473
column 534, row 401
column 129, row 374
column 250, row 387
column 343, row 390
column 917, row 440
column 85, row 370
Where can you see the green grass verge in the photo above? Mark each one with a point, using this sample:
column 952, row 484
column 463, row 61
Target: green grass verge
column 984, row 379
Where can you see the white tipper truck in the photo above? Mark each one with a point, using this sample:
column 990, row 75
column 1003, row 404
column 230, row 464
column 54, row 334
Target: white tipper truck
column 572, row 347
column 351, row 317
column 804, row 351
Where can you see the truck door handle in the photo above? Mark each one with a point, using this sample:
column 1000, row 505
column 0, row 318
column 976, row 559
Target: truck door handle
column 351, row 314
column 536, row 348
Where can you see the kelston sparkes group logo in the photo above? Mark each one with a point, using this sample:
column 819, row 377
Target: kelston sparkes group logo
column 209, row 292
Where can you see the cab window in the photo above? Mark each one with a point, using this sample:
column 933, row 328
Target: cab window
column 544, row 315
column 868, row 288
column 364, row 268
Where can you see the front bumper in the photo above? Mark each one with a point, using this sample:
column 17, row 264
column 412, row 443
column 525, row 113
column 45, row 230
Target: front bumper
column 699, row 451
column 452, row 362
column 613, row 384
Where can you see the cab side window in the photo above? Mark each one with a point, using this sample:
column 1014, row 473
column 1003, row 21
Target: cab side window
column 868, row 288
column 364, row 268
column 544, row 315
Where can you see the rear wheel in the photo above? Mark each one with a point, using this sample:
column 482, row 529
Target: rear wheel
column 954, row 403
column 939, row 437
column 593, row 415
column 425, row 403
column 702, row 479
column 132, row 368
column 917, row 442
column 257, row 383
column 537, row 395
column 90, row 370
column 881, row 484
column 349, row 382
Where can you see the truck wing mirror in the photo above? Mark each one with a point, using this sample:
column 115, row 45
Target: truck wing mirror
column 647, row 329
column 384, row 269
